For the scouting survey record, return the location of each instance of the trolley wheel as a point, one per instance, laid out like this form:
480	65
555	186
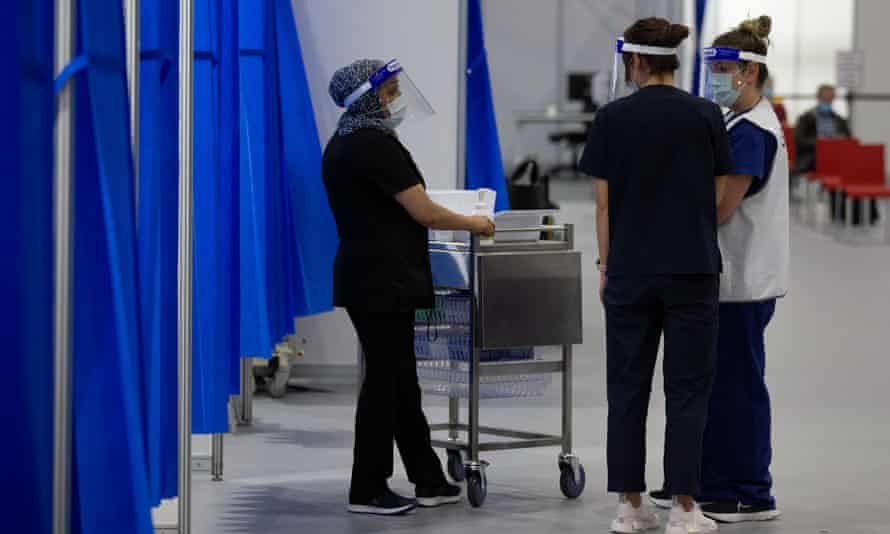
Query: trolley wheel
477	488
276	385
456	466
571	486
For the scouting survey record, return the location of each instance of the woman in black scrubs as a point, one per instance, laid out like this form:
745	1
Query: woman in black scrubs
659	157
381	276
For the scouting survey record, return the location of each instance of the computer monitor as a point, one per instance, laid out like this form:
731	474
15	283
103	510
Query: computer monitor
580	88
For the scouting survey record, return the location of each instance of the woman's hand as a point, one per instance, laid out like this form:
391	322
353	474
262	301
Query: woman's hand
482	225
603	281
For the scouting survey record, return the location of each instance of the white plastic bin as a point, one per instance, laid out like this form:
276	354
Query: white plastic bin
519	219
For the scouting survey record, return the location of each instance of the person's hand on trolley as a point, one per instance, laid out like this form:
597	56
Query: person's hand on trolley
482	225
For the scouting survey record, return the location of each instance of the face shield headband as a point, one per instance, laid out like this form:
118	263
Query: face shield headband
622	47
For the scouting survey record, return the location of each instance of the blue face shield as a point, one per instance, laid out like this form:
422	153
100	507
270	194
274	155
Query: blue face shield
719	67
621	83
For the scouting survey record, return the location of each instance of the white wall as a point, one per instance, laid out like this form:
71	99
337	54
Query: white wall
423	35
525	40
805	39
871	119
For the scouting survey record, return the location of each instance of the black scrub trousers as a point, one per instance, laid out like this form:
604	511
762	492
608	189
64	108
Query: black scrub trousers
660	150
381	276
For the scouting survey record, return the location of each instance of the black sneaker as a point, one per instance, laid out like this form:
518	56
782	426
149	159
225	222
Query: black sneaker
736	512
387	504
431	497
661	499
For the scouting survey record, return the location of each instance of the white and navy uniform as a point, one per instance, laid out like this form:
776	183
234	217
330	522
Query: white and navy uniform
754	245
755	242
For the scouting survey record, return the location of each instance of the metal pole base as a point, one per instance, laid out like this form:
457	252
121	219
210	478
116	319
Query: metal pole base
245	404
216	457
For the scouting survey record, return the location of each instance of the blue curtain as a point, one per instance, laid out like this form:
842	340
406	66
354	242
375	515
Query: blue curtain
484	165
26	263
285	227
700	7
158	237
111	492
229	148
315	233
215	333
256	336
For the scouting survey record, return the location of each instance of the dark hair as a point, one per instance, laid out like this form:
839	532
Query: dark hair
824	87
654	31
751	35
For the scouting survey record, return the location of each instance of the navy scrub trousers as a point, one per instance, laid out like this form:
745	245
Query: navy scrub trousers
738	446
638	310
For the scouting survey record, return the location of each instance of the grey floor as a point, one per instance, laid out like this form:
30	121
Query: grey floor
828	370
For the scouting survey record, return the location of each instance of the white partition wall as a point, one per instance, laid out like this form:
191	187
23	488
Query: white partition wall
425	36
805	39
422	34
533	44
871	117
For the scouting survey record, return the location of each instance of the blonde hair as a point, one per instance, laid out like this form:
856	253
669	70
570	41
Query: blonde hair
751	35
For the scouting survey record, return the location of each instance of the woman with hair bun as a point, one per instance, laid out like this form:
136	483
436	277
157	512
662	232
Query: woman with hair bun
753	217
658	157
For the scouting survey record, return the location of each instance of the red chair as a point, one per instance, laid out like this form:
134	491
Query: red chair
832	157
866	179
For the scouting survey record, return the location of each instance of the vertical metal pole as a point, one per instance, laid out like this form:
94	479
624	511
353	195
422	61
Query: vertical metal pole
453	410
216	456
560	62
186	225
835	220
132	19
461	179
63	218
567	399
246	398
473	415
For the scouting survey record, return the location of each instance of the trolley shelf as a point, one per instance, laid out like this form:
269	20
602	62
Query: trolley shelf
496	302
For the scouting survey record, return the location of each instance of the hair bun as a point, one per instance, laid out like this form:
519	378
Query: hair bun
677	33
760	27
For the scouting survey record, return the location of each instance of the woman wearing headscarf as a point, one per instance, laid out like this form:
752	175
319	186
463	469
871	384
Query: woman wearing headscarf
382	275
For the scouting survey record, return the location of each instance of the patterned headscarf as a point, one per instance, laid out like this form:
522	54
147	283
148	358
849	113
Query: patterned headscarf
366	112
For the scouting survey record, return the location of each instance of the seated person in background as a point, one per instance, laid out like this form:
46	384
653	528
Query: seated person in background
821	122
776	101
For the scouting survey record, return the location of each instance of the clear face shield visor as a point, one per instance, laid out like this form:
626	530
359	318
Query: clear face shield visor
401	100
721	70
621	85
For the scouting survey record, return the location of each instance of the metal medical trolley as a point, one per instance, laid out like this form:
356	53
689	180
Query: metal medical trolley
496	301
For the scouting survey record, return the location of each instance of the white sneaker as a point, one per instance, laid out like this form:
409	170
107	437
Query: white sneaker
694	522
630	519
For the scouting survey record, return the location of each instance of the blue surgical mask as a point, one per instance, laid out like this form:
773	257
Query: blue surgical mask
824	108
722	91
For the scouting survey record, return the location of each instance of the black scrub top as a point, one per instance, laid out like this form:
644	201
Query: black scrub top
660	149
383	261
